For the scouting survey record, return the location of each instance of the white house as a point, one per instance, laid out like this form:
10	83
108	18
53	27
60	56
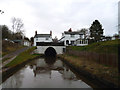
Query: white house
26	43
81	42
69	38
42	38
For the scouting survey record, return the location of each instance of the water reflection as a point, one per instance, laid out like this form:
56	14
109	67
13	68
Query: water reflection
50	60
45	73
46	65
15	81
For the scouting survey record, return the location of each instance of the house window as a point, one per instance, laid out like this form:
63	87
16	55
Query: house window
80	41
46	38
72	35
81	36
36	39
72	42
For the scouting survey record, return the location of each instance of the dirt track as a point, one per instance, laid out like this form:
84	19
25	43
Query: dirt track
12	55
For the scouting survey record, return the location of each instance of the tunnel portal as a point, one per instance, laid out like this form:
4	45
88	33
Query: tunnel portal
51	52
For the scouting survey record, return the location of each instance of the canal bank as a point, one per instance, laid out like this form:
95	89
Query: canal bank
98	59
92	72
18	62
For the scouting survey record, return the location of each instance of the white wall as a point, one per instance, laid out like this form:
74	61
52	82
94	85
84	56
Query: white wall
83	42
27	43
42	39
69	38
41	49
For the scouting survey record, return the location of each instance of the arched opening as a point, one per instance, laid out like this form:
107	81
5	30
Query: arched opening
50	52
67	42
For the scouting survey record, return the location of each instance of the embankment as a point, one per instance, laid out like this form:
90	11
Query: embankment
18	63
98	62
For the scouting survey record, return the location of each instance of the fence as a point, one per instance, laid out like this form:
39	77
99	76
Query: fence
101	58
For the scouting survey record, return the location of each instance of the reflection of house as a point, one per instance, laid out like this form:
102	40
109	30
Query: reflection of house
43	67
72	38
42	38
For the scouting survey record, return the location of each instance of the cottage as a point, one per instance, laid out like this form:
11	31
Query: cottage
26	43
81	42
42	38
72	38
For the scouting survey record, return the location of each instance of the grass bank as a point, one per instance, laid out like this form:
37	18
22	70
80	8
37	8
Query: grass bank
101	52
99	47
102	72
99	59
22	57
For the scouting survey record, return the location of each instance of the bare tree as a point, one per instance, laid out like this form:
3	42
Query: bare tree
13	23
85	32
17	25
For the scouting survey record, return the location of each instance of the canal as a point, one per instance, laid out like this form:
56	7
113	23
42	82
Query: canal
45	73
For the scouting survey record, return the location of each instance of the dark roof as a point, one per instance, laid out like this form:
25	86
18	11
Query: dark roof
50	43
67	32
42	35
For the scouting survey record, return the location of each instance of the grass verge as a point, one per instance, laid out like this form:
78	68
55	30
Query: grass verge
99	47
22	57
3	60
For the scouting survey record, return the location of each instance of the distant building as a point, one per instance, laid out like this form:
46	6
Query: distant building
26	43
73	38
18	41
42	38
107	38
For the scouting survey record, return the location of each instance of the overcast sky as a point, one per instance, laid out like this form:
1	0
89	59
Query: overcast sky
60	15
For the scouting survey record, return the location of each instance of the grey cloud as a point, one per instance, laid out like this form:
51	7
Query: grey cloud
58	15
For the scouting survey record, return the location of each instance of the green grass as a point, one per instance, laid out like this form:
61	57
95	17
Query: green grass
3	60
22	57
100	47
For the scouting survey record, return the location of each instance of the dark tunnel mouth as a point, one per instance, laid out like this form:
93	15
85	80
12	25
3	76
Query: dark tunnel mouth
50	52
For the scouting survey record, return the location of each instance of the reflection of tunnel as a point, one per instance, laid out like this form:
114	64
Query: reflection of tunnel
50	60
50	52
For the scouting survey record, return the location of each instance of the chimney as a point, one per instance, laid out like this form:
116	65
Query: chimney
35	32
51	33
70	30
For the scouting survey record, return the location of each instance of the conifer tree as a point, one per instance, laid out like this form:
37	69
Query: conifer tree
96	31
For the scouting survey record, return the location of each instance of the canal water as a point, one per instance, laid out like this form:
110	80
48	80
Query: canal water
45	73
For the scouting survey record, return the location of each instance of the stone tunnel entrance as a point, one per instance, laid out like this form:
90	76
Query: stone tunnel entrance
51	52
